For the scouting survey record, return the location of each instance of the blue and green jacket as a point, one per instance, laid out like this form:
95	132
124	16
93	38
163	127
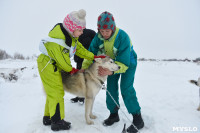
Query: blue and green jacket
119	47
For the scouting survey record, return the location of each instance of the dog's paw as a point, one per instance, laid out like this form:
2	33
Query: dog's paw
89	122
93	116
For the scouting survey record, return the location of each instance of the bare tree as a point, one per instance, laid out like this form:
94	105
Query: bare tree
19	56
4	55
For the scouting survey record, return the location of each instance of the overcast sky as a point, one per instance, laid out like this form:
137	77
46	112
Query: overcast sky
157	28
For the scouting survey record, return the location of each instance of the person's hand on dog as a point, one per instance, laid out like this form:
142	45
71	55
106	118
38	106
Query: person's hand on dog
73	71
104	71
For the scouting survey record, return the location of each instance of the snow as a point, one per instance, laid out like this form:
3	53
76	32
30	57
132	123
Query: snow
166	97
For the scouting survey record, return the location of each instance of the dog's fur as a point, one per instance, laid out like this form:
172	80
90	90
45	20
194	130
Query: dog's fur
197	83
88	83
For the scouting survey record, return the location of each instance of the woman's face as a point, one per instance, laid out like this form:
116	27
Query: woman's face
78	32
106	33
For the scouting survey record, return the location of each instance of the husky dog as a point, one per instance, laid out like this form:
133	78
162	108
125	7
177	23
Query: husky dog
88	83
197	83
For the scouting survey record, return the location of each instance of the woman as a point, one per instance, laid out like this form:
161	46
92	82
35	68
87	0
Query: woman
115	43
57	49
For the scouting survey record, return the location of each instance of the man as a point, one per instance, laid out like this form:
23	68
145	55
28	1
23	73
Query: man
115	43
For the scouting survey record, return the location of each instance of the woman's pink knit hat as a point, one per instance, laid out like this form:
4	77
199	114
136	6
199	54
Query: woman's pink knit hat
75	20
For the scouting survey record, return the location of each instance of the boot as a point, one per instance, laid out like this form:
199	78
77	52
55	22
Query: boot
114	117
56	122
138	123
60	125
81	100
74	100
46	120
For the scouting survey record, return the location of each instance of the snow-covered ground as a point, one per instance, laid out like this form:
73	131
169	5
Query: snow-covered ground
167	99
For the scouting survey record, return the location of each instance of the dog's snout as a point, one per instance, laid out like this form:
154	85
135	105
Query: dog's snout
119	67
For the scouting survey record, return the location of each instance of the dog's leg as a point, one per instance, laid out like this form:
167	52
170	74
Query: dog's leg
91	115
88	104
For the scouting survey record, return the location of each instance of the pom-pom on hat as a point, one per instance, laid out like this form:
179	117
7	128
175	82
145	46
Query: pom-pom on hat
75	20
106	21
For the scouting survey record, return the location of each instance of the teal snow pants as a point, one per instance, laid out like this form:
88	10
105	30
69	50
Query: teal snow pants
127	91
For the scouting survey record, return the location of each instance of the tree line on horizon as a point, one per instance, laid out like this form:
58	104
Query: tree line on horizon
4	55
183	60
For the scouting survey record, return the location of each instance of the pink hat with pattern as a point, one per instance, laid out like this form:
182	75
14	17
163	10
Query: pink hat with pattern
75	20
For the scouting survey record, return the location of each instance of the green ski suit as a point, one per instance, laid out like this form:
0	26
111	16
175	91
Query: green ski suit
50	66
119	48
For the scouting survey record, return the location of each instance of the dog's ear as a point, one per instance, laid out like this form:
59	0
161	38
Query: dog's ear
99	60
193	82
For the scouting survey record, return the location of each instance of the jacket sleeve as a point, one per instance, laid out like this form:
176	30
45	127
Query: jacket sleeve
123	54
94	49
83	52
60	55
